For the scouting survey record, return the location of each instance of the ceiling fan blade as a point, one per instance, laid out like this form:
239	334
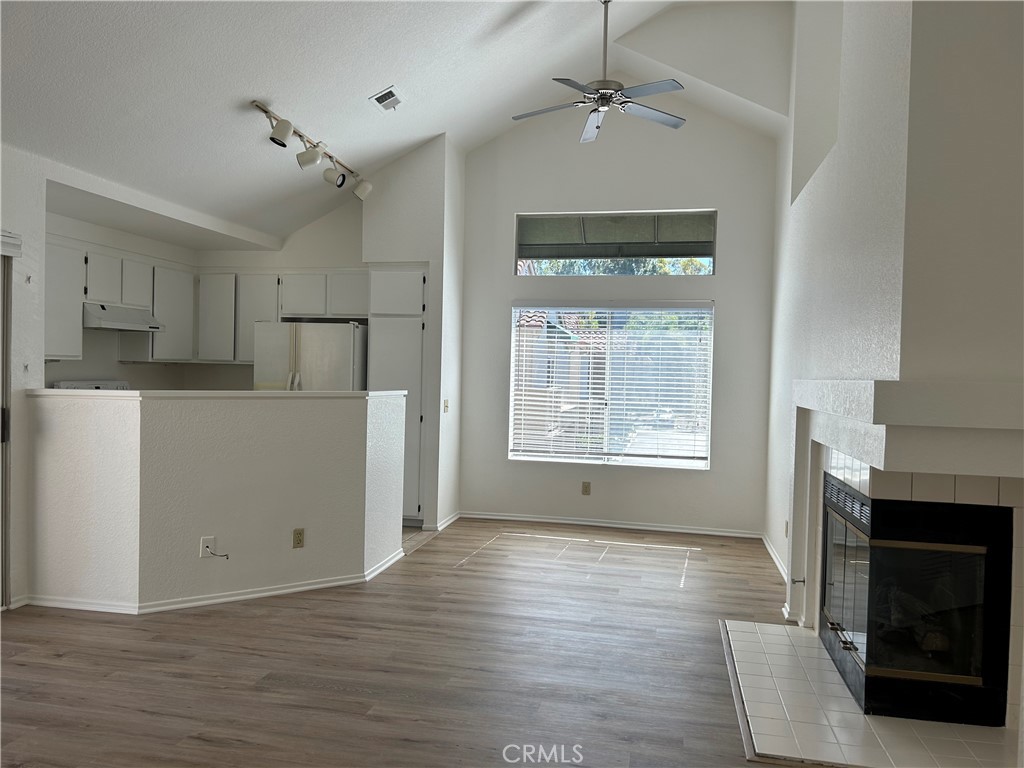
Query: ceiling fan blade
547	109
573	84
649	89
649	113
593	125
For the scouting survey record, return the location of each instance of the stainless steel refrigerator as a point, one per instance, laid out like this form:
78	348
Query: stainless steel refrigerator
311	357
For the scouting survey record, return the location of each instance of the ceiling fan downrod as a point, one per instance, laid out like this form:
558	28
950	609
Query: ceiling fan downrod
604	55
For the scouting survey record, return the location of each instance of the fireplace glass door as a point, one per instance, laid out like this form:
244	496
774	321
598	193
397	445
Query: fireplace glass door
928	610
847	566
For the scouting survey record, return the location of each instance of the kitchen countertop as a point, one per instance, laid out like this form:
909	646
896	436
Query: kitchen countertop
212	394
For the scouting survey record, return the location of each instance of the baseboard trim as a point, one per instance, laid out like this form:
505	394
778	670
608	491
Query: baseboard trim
776	559
611	524
448	521
387	562
76	604
249	594
16	602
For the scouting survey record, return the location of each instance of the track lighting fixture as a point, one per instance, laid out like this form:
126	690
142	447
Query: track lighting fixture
363	189
282	132
334	176
311	155
313	152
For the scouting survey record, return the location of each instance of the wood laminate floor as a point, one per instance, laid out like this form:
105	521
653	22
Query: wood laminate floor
488	635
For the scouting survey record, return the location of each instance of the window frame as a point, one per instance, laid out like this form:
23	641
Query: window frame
618	459
577	247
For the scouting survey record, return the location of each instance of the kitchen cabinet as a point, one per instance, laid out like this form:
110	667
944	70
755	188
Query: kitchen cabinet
216	334
396	293
256	301
65	279
174	306
103	278
348	294
136	284
303	294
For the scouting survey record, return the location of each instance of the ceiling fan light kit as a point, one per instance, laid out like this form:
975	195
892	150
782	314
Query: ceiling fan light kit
312	152
604	94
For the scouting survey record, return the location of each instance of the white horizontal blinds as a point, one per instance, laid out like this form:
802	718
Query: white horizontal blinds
611	384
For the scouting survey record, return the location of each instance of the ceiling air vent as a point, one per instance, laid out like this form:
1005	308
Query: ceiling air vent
387	99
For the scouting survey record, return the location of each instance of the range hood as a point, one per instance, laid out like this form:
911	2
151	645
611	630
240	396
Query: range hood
118	318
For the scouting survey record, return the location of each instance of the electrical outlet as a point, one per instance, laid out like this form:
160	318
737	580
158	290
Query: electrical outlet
207	541
298	538
586	488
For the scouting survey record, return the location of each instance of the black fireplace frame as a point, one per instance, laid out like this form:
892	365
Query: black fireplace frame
957	525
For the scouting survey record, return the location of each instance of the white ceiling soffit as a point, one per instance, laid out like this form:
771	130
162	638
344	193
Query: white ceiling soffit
96	209
733	57
155	96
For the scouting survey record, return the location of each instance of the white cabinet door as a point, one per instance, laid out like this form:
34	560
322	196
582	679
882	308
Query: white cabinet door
103	279
257	301
217	317
303	295
136	284
173	305
396	293
348	294
394	361
65	279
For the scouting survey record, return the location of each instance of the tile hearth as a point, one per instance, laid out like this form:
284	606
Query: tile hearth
798	708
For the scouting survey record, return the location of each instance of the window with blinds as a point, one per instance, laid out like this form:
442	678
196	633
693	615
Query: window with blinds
618	385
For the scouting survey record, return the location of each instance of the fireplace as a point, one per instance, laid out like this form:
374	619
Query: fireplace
915	605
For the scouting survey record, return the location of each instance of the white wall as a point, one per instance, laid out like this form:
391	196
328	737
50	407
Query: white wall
451	336
334	241
635	165
407	220
963	267
839	252
84	549
740	47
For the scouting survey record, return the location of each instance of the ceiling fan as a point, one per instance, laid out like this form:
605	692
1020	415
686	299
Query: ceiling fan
604	94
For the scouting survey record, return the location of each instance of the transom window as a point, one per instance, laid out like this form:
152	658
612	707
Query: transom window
675	243
612	384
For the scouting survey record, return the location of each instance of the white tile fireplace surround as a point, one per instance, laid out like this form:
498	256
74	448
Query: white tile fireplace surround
955	442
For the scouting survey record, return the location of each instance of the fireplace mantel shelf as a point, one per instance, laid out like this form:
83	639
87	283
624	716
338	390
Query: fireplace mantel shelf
945	427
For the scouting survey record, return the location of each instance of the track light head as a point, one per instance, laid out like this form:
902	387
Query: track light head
363	189
311	155
282	132
334	176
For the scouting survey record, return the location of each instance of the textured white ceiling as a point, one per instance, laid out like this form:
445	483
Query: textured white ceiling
156	95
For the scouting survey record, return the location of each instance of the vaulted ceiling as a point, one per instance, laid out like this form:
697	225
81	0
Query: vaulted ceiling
156	96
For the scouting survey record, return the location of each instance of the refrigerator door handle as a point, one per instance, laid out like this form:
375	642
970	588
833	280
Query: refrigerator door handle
297	381
291	376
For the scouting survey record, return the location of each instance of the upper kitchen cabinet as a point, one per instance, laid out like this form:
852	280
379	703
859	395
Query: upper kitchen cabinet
303	294
65	280
103	278
217	317
257	301
396	293
113	280
136	284
174	306
348	294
